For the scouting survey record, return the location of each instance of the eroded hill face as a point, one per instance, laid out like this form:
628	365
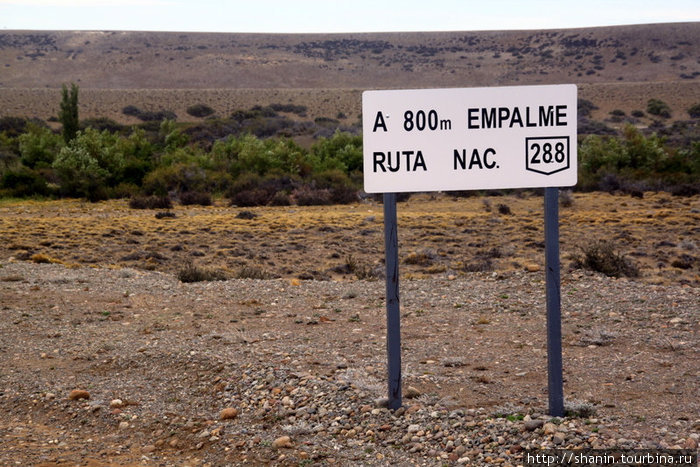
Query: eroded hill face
163	60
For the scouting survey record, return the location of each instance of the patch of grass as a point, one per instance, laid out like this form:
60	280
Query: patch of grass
602	256
41	258
193	273
361	270
253	272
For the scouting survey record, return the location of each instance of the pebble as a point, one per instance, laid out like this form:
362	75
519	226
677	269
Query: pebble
411	393
116	404
77	394
549	428
282	442
228	413
531	425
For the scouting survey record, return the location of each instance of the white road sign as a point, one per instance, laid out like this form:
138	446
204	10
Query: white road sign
469	138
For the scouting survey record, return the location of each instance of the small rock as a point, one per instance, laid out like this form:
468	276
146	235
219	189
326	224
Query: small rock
381	402
532	425
413	428
411	393
282	442
77	394
691	444
228	413
413	409
123	425
532	267
148	448
116	404
549	428
558	437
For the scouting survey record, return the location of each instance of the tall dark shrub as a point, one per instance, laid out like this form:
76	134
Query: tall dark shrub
68	115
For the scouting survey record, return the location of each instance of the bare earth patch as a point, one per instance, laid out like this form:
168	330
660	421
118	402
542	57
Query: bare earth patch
302	362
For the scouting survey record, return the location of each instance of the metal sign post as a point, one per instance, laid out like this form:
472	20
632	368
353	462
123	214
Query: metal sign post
555	381
393	316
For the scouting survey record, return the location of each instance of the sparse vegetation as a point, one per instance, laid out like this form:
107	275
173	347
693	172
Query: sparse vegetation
603	256
193	273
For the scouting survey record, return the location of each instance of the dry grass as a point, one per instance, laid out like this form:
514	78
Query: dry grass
438	234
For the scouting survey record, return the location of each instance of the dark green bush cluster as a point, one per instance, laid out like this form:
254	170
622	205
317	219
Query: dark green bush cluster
149	115
635	162
659	108
157	160
200	110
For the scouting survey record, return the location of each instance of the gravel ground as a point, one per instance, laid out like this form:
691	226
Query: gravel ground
293	372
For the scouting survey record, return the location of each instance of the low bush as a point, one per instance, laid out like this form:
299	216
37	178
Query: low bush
150	202
308	196
192	273
195	197
22	181
200	110
659	108
694	111
602	256
253	272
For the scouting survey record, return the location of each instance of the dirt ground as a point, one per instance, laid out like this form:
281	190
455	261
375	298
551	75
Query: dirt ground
90	301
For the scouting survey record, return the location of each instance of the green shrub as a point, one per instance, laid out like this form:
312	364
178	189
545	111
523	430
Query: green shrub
12	126
585	107
659	108
200	110
338	184
341	151
694	111
22	182
102	123
38	146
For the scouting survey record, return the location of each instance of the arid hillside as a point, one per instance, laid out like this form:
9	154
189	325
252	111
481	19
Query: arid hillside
117	60
226	70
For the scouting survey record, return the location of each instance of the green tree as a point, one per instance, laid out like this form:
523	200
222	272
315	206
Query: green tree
90	164
68	115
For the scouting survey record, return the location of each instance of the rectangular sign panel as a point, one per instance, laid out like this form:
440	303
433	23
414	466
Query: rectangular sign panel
469	138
